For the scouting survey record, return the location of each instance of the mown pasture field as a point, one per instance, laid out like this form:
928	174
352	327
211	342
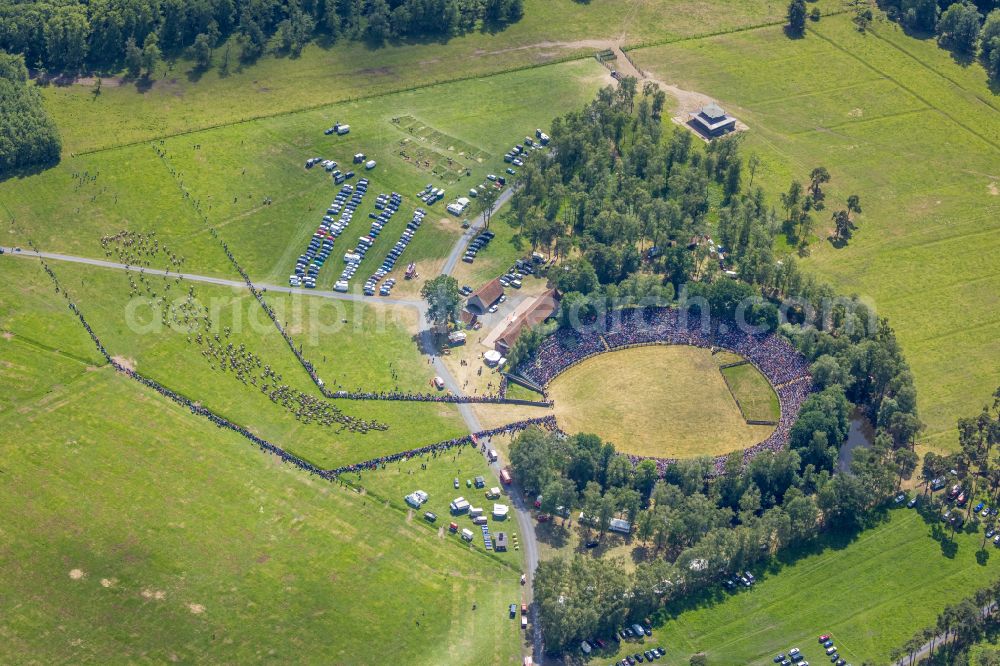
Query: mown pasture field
248	181
870	593
755	397
918	139
130	331
181	99
136	531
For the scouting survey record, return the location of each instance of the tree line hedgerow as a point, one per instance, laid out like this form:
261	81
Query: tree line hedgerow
69	36
28	136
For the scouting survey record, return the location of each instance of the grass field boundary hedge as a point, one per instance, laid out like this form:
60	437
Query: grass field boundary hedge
714	33
572	57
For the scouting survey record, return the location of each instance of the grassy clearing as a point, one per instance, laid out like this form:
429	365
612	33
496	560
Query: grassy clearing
870	594
356	345
917	138
212	536
128	329
754	395
552	30
518	392
397	480
665	401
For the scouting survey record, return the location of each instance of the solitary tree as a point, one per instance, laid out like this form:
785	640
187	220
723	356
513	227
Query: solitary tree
842	225
202	50
797	18
150	53
133	57
817	177
486	203
442	298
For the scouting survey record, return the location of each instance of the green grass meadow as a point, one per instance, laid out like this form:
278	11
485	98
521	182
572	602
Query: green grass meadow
181	99
870	594
162	353
135	531
753	393
918	138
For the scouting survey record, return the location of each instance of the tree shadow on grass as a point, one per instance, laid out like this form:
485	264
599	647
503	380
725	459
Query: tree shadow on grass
552	535
28	170
144	84
195	73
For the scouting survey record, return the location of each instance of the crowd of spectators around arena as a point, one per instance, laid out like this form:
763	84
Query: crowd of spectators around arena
775	357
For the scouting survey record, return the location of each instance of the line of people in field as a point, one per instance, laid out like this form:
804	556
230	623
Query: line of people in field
440	447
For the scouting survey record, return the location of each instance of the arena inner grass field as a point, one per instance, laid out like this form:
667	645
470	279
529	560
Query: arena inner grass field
668	401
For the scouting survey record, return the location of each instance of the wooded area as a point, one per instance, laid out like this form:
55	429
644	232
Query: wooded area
28	137
70	36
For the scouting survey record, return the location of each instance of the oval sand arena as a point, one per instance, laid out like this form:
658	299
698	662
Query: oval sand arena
665	400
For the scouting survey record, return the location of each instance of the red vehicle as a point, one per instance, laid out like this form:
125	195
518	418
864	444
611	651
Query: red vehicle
505	477
538	502
543	517
824	638
453	527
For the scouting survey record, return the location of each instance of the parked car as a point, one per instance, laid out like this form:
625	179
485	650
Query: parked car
900	498
912	503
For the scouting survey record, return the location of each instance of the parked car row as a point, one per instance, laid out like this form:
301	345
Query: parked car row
388	204
640	657
430	194
737	580
337	217
478	243
796	657
393	256
516	155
